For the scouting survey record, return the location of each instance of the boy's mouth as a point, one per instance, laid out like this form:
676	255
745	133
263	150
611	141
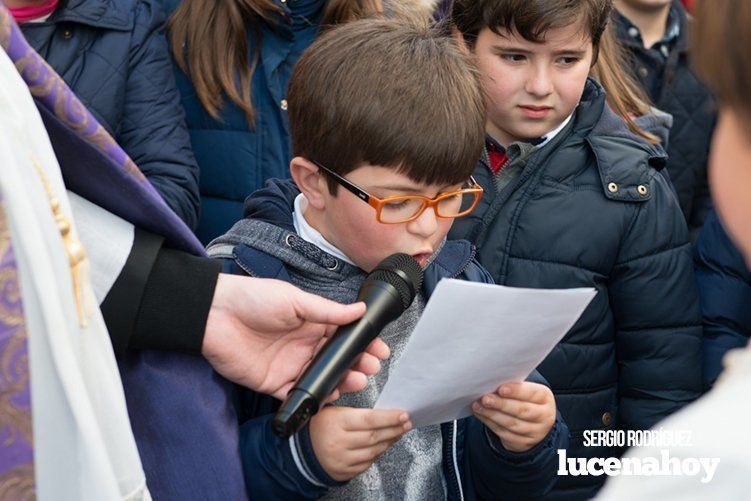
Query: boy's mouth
422	257
536	112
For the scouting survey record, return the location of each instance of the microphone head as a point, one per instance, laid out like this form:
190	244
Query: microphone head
403	272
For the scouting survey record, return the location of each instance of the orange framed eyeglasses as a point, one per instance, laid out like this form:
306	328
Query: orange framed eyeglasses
405	208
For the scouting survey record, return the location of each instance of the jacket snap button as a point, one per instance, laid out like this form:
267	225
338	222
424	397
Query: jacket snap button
607	418
642	189
66	33
283	104
643	72
612	187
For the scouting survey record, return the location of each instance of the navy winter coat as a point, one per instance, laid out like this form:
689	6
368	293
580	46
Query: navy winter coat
674	88
725	296
236	158
590	210
113	55
475	464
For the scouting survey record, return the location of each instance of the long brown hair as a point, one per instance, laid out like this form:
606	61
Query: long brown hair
209	40
719	50
624	94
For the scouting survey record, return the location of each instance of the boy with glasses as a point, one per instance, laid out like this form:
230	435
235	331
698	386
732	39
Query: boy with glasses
387	123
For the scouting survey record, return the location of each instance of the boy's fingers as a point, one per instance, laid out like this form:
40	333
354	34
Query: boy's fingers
352	382
365	439
525	411
367	364
514	442
370	454
372	419
505	421
508	437
524	391
379	349
487	422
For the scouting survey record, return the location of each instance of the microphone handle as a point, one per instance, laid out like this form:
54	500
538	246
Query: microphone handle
336	357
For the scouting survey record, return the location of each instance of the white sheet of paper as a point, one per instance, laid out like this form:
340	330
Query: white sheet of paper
471	338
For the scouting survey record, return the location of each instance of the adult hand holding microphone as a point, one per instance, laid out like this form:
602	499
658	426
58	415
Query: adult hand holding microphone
387	292
261	333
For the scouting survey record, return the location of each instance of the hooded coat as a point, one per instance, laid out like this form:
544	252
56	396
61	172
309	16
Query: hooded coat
474	463
591	209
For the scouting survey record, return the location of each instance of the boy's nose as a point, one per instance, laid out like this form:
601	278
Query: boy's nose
425	225
539	82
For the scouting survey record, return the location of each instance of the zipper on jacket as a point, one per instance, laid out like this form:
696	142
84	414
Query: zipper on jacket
466	264
456	477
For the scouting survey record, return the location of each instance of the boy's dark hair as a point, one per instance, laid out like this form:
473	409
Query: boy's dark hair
530	18
390	94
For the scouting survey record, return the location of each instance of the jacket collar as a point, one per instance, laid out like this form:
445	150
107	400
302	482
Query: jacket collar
105	14
626	162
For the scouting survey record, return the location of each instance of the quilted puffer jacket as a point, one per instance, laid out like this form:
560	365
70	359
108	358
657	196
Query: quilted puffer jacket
674	88
113	55
724	294
590	209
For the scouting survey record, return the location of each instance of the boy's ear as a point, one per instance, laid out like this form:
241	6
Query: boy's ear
310	181
460	41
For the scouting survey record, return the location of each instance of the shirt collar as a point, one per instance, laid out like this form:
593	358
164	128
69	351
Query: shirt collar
310	234
539	142
672	31
550	135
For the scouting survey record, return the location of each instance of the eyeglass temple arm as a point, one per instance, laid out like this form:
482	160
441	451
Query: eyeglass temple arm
356	190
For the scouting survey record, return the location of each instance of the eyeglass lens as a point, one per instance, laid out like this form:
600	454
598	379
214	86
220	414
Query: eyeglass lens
403	209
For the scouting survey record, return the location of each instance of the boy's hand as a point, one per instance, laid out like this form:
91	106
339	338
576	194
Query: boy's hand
347	441
521	414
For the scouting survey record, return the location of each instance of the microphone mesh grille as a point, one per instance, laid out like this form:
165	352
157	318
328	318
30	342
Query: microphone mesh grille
401	271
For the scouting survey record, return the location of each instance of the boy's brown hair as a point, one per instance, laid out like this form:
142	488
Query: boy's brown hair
386	93
720	45
530	18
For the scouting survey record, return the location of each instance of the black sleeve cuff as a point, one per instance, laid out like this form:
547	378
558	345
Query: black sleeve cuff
175	304
120	307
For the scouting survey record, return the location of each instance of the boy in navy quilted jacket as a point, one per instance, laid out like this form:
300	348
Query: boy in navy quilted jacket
573	198
387	123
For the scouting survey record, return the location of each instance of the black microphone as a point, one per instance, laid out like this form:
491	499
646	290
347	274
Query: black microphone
388	290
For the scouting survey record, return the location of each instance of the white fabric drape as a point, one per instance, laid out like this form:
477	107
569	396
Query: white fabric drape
83	445
108	240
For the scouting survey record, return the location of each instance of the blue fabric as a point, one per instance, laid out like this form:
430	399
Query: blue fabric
90	173
236	158
114	56
634	356
185	425
180	411
725	296
182	417
674	88
486	469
